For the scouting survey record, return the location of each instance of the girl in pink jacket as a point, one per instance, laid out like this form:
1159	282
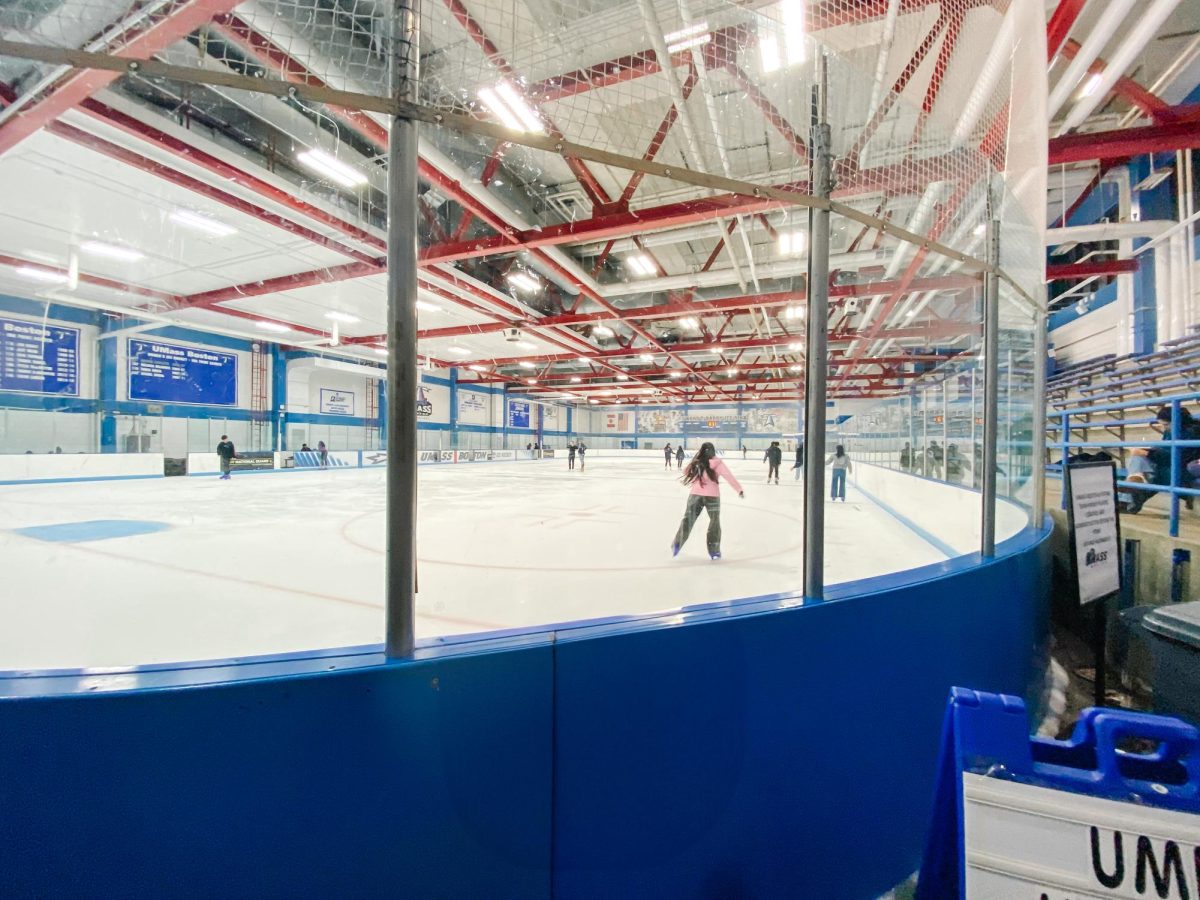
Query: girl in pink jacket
702	474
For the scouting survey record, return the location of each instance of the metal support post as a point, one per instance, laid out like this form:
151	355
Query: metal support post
1037	419
991	388
1176	467
817	348
401	557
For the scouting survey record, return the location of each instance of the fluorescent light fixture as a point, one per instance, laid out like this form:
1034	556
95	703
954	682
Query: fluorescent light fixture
980	230
382	351
793	311
276	327
331	167
795	345
689	322
1089	86
641	264
43	275
523	281
426	306
335	316
525	345
526	364
731	372
768	54
1153	180
796	368
910	313
602	331
622	378
793	30
507	105
792	243
111	251
685	38
576	380
646	357
592	401
461	351
676	374
197	222
1064	248
477	368
584	359
531	381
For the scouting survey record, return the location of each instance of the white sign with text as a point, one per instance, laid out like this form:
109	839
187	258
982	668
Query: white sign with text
1094	534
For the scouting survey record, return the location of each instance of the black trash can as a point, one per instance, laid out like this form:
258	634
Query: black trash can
1173	634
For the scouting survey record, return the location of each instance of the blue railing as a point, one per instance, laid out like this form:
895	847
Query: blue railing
1175	444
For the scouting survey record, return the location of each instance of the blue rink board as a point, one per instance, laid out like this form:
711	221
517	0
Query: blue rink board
759	749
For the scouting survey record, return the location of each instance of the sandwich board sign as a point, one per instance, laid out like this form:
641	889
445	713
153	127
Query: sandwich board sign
1030	818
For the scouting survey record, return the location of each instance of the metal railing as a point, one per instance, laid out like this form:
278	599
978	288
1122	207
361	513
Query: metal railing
1174	443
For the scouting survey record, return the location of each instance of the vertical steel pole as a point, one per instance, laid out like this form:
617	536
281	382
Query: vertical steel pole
401	557
817	346
991	387
945	430
1037	420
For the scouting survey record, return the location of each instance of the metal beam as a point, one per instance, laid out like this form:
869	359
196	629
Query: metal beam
1124	142
1080	271
1060	25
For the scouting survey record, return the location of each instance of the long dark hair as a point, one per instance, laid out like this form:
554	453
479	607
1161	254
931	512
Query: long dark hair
700	467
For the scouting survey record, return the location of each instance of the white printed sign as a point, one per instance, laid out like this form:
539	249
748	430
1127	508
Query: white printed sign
1032	843
472	408
337	403
1094	531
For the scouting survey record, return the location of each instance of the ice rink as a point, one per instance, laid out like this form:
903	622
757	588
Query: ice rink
119	573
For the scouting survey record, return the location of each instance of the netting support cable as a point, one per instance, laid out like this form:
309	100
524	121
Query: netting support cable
817	347
402	339
991	388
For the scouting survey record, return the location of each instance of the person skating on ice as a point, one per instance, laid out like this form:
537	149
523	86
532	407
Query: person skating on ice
226	453
702	475
582	455
841	465
798	467
773	457
679	456
323	452
668	455
571	450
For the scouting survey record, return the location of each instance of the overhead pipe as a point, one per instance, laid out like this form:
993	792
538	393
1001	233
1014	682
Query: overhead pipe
986	81
885	51
1145	28
1106	26
655	32
1106	231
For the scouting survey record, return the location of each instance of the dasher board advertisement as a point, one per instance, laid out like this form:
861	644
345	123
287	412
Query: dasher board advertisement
1094	529
1025	842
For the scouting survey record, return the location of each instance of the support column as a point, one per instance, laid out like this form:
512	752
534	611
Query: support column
817	361
402	338
278	398
106	386
1038	427
991	389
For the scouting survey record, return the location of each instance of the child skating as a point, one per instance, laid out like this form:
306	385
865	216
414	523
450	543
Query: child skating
702	475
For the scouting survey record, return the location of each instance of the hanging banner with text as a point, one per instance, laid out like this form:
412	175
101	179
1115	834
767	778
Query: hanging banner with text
173	373
337	403
518	414
38	359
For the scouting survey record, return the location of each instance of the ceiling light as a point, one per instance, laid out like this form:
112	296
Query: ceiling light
506	104
796	368
1064	248
793	30
685	38
646	357
461	351
523	281
689	322
584	359
331	167
910	313
336	316
622	378
794	311
641	264
731	372
43	275
526	364
676	374
590	400
576	380
111	251
602	331
194	220
980	230
477	368
1089	86
382	351
531	381
277	327
792	243
768	54
426	306
795	345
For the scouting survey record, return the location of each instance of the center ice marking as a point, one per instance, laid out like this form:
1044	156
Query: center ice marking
93	530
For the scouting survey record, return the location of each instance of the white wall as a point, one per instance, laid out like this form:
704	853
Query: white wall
26	467
1091	335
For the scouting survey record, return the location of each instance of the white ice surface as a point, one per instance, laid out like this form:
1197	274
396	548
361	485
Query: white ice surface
268	563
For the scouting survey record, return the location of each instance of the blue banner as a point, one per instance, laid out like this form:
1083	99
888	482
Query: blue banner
518	414
172	373
38	359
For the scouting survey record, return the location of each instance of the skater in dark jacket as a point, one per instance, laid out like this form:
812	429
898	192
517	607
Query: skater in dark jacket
226	453
668	455
679	456
798	466
773	457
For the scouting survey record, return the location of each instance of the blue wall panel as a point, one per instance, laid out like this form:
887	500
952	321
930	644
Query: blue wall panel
756	750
